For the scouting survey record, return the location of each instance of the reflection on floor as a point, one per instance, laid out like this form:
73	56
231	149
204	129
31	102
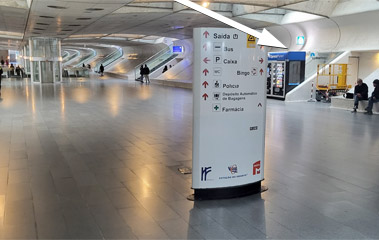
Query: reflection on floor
98	159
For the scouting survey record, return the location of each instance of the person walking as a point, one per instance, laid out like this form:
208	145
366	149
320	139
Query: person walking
374	97
360	93
146	72
101	70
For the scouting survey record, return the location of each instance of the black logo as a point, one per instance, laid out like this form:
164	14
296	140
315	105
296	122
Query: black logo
204	173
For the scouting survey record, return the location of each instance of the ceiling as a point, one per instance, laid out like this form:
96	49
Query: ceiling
128	22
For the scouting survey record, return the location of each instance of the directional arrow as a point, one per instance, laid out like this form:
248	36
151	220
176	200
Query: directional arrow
260	105
205	71
205	47
205	84
206	60
206	33
261	60
265	37
261	71
205	96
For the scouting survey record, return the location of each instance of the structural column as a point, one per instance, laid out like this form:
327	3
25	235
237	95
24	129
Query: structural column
45	60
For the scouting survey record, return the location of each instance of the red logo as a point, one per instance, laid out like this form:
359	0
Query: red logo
257	168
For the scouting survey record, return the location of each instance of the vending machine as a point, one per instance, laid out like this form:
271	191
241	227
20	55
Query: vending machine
285	71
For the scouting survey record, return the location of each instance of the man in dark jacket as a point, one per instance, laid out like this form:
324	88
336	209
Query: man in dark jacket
360	93
1	73
374	97
146	72
141	73
101	70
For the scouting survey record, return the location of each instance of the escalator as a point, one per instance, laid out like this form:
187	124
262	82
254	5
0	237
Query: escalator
156	61
109	59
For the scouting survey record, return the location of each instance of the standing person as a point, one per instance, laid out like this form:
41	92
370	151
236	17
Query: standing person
101	70
374	97
89	66
12	69
360	93
2	62
141	73
18	70
1	75
146	72
83	65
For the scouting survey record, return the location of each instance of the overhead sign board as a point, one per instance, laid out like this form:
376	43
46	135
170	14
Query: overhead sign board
229	109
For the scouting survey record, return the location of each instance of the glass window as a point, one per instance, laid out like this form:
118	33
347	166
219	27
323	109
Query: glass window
294	73
35	71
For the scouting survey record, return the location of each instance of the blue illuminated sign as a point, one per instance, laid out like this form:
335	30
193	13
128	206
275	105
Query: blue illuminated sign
284	56
177	49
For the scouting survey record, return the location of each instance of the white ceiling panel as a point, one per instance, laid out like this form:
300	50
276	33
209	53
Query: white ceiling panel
147	19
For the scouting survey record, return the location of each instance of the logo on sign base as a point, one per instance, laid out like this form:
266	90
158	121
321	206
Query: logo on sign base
257	168
204	173
233	169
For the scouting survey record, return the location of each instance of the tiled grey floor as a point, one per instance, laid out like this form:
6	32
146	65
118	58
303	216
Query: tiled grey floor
97	159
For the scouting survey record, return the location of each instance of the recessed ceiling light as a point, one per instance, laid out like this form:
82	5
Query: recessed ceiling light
43	24
95	9
205	4
46	17
83	18
57	7
74	25
39	29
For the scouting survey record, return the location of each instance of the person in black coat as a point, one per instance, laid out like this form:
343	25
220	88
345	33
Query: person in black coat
1	73
165	69
374	97
141	73
146	72
360	93
101	70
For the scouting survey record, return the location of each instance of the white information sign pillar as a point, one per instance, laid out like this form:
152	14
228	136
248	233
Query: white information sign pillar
229	89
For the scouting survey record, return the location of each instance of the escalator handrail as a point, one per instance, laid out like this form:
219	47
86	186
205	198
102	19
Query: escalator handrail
110	58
